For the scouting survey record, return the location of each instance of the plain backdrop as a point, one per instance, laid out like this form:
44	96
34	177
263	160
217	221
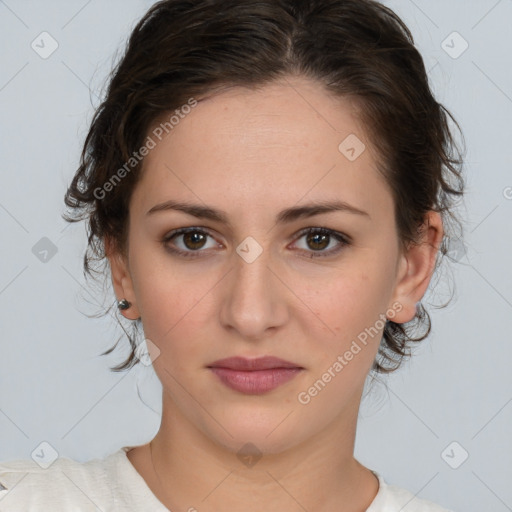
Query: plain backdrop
440	427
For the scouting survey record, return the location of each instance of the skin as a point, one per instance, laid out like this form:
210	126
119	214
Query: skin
253	153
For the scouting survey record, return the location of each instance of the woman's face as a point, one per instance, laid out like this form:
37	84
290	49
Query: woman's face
248	281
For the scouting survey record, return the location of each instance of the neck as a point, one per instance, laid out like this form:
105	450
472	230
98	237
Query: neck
191	472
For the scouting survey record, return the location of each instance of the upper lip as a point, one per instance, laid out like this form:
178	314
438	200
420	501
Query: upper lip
260	363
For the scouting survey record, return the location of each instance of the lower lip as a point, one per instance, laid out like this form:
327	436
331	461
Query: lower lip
255	382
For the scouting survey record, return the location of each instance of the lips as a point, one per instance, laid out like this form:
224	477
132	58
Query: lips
254	376
260	363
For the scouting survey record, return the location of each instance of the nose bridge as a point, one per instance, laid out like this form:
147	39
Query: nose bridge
254	302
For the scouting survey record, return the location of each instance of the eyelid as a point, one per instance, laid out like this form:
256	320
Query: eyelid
320	229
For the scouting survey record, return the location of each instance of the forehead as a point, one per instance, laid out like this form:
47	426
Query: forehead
281	143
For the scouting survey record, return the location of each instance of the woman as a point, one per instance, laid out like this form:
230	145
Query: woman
268	184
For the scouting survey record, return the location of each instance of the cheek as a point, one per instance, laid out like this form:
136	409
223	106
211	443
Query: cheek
164	291
348	302
171	307
348	319
346	331
175	306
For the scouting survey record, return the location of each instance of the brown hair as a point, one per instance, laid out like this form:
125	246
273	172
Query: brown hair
356	48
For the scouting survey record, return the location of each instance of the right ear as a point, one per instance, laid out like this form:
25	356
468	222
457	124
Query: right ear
121	279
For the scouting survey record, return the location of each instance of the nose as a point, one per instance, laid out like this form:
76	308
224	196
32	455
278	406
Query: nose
254	303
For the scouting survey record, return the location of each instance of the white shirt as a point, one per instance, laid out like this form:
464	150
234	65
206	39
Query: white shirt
113	484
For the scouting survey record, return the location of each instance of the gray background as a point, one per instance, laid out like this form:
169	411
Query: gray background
55	388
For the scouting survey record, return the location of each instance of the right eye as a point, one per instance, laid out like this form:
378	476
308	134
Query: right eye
190	241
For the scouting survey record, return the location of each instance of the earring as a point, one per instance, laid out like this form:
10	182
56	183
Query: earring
123	304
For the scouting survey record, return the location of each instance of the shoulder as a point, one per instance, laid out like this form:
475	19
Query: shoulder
65	484
391	498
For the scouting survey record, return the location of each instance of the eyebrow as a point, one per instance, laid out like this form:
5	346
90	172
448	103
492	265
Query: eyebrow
286	215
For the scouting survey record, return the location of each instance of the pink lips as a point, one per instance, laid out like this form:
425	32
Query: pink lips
254	376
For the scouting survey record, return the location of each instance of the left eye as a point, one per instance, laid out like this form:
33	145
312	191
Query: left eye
318	239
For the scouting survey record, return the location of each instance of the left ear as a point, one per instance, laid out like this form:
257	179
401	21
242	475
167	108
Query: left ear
416	267
121	279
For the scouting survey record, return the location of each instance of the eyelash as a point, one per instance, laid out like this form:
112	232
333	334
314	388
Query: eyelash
342	239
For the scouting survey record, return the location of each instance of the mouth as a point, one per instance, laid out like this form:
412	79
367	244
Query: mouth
254	376
259	363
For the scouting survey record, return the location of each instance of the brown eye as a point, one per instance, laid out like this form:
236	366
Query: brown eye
189	242
194	240
317	241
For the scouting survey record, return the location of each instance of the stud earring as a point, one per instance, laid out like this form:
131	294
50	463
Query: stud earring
123	304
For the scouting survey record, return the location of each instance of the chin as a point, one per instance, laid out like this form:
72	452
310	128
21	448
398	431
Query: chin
270	435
